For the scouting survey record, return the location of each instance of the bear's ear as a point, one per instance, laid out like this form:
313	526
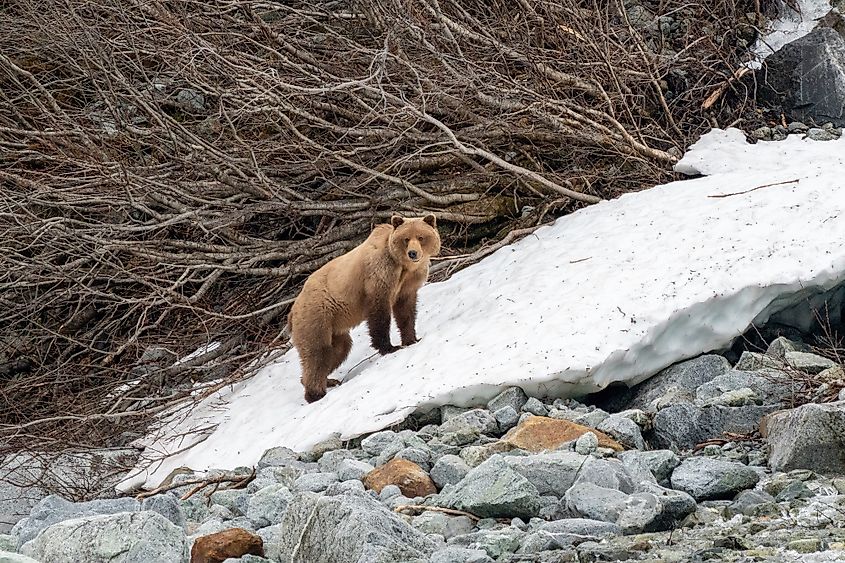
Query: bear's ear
396	220
431	220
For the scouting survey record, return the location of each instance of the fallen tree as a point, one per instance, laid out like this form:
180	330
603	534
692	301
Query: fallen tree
171	171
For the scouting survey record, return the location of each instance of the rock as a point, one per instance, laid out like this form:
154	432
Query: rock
480	420
54	509
376	443
623	429
449	470
677	505
277	457
442	524
711	479
597	503
817	134
807	545
539	433
460	555
535	407
494	490
794	490
136	537
512	397
268	505
314	482
411	479
661	463
234	542
587	443
551	473
235	500
570	531
735	398
167	505
248	559
350	486
476	455
805	78
11	557
794	127
771	386
682	426
643	512
755	361
781	345
686	375
811	436
352	469
333	442
358	529
190	99
748	502
507	417
420	456
608	473
330	461
809	363
591	419
26	478
497	542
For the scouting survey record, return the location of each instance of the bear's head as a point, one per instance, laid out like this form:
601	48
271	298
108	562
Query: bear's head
414	241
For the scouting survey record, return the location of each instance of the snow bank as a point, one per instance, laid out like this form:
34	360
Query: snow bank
789	26
614	292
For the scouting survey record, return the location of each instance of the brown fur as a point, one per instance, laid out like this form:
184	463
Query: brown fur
371	281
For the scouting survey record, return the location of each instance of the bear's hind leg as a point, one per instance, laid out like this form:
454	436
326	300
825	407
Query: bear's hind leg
341	345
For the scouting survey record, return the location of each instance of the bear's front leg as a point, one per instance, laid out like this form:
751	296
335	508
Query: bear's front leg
379	323
405	311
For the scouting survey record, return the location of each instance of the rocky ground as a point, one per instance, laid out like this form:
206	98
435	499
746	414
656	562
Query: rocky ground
678	475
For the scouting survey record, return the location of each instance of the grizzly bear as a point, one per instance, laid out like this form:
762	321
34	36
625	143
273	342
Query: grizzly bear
379	276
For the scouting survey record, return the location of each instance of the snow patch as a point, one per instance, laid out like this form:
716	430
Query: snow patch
788	27
614	292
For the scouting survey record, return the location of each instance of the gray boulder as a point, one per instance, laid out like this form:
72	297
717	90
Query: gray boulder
597	503
809	363
513	397
347	528
535	406
11	557
551	473
449	470
454	554
806	78
126	537
624	429
705	478
811	436
661	463
686	375
608	473
479	420
442	524
352	469
677	505
587	443
560	534
375	444
507	417
781	345
755	361
314	482
268	506
277	457
683	425
168	506
771	386
494	489
54	509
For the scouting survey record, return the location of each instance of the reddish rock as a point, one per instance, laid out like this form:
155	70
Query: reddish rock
234	542
411	479
540	433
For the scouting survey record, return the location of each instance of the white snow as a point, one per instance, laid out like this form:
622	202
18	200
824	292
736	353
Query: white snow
789	26
613	292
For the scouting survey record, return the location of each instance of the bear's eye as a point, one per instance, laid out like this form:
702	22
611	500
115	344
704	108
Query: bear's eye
421	239
407	240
